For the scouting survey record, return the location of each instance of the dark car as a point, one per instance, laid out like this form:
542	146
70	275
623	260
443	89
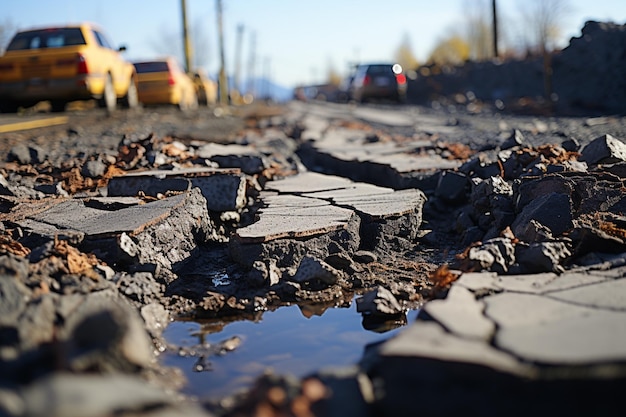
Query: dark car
378	82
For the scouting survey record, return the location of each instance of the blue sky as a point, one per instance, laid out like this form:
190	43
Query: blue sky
296	41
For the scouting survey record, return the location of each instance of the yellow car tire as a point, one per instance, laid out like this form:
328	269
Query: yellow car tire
108	100
131	99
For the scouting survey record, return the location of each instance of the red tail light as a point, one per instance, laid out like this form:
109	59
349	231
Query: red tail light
366	80
401	78
82	65
170	79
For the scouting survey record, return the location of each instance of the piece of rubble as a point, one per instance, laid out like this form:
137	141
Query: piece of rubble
245	158
347	152
497	255
532	232
323	215
542	257
604	150
106	333
553	210
311	269
25	155
515	139
461	313
492	203
224	189
452	187
383	212
599	232
571	145
94	169
160	235
293	216
92	395
379	302
264	273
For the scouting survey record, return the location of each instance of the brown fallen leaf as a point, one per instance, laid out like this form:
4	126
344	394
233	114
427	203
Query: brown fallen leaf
9	245
442	277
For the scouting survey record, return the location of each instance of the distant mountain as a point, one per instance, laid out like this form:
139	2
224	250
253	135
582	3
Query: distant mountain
264	89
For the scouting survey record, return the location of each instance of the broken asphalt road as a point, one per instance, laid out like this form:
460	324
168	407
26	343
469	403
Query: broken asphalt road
508	232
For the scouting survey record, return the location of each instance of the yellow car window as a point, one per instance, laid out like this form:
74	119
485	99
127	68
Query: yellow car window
47	38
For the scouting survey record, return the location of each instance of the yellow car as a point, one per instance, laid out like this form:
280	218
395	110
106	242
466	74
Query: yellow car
63	64
162	81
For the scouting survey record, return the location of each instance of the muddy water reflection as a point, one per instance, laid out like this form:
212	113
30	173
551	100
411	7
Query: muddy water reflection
290	340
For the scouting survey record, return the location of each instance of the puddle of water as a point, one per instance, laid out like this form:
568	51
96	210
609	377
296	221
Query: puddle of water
220	279
284	340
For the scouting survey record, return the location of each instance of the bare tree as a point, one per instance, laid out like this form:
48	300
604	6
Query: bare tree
543	19
7	30
332	76
404	54
479	33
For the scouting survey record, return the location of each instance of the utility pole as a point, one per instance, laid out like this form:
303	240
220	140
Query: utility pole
251	87
495	28
267	93
223	80
186	41
238	59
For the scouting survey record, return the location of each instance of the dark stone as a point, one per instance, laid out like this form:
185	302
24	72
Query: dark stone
452	187
516	139
551	210
571	145
542	257
604	150
380	302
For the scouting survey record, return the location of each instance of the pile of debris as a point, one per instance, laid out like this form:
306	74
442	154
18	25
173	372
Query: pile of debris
586	78
523	210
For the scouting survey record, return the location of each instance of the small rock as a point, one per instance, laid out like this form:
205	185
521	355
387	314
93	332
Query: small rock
264	273
452	187
26	154
542	257
365	256
495	255
515	139
604	150
553	210
380	302
571	145
312	268
94	169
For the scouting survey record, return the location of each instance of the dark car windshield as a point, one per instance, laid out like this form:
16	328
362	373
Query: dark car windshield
379	69
142	67
46	38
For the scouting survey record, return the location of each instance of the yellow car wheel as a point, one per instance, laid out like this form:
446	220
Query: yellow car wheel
57	106
109	98
131	99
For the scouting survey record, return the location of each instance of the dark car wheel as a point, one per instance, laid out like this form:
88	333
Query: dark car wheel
9	106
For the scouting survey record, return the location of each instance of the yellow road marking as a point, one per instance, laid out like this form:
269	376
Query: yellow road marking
33	124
